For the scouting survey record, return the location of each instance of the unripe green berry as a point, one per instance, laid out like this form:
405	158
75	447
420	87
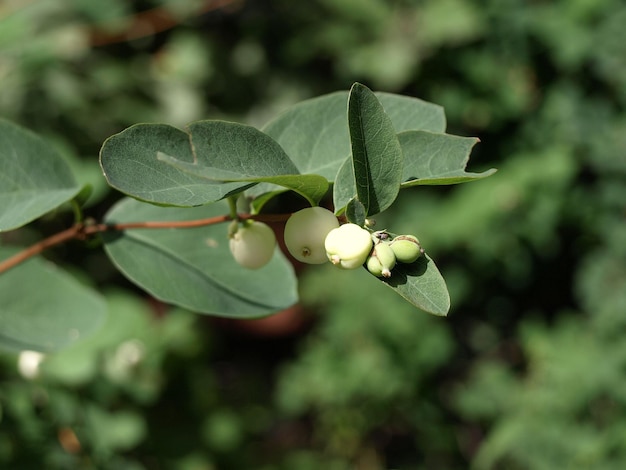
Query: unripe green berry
348	246
407	248
305	233
382	260
252	244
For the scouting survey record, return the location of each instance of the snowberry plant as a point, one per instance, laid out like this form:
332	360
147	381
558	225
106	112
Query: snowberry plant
195	229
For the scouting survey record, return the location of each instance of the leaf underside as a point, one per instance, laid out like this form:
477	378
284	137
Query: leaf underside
193	267
421	284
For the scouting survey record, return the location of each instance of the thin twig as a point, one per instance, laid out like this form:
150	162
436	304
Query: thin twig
80	231
33	250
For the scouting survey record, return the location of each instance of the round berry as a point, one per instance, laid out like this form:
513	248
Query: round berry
407	248
252	244
305	232
348	246
381	260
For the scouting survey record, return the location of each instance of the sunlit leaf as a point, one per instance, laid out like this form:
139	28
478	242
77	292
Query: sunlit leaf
436	159
376	153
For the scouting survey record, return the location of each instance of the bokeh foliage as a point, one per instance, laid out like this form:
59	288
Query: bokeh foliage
528	369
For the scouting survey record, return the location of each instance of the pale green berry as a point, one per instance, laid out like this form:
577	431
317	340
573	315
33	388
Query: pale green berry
407	248
381	260
252	244
348	246
305	233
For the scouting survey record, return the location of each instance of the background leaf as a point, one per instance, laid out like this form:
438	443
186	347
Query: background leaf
436	158
422	285
194	268
376	153
34	178
43	308
130	164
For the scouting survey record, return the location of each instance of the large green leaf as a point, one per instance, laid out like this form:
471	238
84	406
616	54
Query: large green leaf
193	267
230	152
314	133
42	308
130	163
236	151
215	159
431	159
376	153
422	285
34	178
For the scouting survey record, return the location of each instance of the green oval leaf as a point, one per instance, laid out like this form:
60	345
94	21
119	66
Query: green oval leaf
231	152
34	178
193	267
131	165
42	308
376	153
431	159
421	284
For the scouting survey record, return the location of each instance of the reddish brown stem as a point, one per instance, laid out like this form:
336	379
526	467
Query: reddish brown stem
80	231
35	249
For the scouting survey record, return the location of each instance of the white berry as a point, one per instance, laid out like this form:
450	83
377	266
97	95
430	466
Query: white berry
305	232
348	246
252	244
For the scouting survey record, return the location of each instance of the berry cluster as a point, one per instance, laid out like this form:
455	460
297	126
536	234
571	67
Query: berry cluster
389	250
314	236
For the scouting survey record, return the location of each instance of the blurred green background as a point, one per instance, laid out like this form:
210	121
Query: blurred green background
529	369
